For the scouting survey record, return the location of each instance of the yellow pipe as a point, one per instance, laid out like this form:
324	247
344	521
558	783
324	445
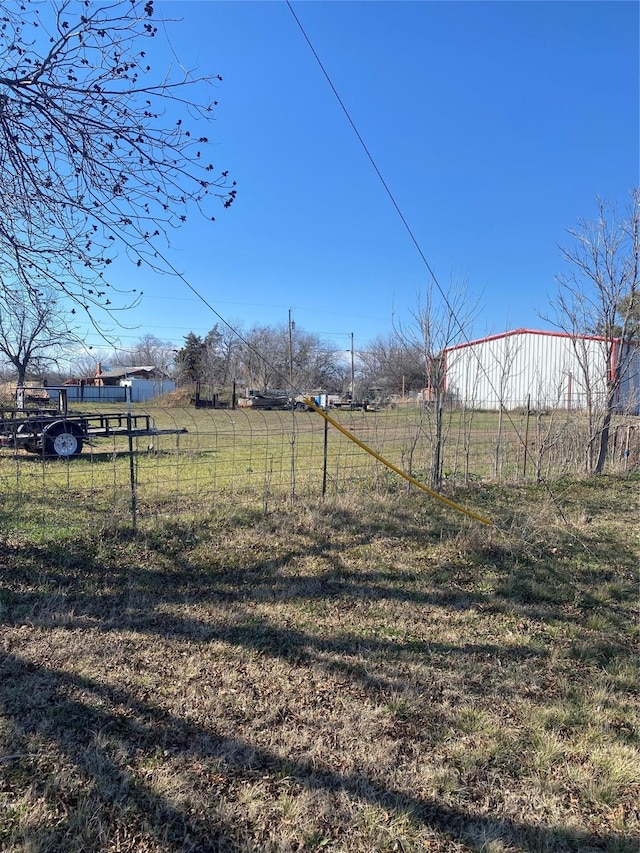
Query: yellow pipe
312	405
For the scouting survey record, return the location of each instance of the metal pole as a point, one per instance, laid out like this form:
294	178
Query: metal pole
132	467
325	459
526	439
291	328
352	372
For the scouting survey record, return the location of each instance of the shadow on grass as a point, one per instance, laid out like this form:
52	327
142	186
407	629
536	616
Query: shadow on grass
169	570
488	577
41	703
102	731
95	454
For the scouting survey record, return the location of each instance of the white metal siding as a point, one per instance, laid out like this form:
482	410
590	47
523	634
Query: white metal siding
630	385
544	370
142	390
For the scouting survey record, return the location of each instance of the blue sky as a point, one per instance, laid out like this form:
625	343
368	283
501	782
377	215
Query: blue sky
494	124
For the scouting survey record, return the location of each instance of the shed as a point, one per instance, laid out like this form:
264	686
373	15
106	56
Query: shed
119	374
145	382
543	369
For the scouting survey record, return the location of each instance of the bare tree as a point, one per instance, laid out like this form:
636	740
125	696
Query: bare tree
95	153
440	320
393	364
505	356
149	351
33	330
270	356
600	295
84	364
223	346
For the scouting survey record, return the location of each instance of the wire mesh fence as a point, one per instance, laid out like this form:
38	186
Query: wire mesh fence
258	459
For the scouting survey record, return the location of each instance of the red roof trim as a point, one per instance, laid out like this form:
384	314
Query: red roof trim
529	332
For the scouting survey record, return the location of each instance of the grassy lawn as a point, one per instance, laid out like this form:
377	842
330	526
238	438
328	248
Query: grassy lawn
371	674
261	458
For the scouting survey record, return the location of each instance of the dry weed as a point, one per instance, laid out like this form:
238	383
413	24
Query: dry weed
357	677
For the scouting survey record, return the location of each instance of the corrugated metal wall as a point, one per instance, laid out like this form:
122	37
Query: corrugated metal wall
142	390
546	370
630	384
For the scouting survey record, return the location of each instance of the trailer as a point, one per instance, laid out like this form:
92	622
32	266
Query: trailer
272	400
351	405
55	432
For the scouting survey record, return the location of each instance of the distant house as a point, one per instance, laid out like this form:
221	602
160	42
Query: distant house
145	382
542	369
121	374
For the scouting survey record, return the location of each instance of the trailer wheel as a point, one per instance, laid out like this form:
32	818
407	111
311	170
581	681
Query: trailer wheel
26	445
63	440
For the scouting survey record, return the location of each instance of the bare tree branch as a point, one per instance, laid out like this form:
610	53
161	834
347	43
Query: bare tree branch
33	330
96	154
599	295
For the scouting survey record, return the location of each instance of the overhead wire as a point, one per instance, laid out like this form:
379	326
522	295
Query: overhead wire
437	496
450	308
312	405
369	155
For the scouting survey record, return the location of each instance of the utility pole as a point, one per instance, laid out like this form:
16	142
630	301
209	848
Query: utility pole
292	326
352	370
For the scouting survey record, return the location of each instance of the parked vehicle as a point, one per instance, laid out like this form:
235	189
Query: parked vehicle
336	401
352	405
56	432
272	400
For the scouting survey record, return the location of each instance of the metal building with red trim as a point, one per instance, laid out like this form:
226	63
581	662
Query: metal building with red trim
542	369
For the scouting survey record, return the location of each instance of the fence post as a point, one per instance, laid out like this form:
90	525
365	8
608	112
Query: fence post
292	495
324	458
526	439
132	468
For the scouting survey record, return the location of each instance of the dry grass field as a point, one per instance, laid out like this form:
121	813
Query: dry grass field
261	459
371	674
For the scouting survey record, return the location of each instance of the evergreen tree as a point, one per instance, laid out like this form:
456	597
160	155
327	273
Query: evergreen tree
190	359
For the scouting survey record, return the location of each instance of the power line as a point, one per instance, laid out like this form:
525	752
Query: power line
370	157
450	308
289	382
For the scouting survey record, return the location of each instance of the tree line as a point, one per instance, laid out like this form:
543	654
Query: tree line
102	157
266	357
